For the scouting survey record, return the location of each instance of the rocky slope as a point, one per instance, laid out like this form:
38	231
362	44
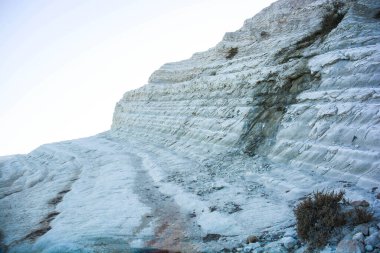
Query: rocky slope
216	147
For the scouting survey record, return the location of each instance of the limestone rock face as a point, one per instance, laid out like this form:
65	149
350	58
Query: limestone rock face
303	88
217	147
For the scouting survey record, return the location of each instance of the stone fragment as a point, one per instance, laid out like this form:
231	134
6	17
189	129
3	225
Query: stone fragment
369	248
373	230
247	249
363	228
327	249
360	203
373	239
252	239
289	242
211	237
359	237
290	232
275	247
349	246
252	246
302	249
258	250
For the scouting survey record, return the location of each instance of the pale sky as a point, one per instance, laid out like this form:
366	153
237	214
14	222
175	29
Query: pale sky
65	63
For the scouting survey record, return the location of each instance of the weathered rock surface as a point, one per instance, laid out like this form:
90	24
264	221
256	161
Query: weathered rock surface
350	246
303	88
289	242
373	239
214	148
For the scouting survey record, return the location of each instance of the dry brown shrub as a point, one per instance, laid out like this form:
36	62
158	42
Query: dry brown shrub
317	217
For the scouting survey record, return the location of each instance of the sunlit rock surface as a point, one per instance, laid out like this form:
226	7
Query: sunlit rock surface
216	147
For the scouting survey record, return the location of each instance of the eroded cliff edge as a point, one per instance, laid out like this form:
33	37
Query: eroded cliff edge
216	147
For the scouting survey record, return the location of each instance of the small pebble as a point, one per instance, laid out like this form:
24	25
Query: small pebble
373	230
358	236
247	249
369	248
349	246
289	242
373	239
327	249
362	228
251	247
252	239
290	232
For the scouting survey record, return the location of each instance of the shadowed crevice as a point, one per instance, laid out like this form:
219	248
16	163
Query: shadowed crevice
265	120
377	15
331	19
3	247
49	217
35	234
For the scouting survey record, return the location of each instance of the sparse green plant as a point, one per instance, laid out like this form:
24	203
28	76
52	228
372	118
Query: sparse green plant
318	216
232	52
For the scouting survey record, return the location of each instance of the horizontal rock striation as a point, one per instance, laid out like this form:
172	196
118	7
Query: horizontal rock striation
302	88
334	125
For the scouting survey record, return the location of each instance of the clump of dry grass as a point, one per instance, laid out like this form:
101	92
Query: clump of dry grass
360	215
317	217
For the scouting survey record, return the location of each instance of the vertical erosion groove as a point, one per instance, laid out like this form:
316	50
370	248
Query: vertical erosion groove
330	20
264	122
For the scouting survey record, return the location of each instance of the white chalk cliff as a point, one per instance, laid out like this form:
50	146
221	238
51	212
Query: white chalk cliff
216	147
